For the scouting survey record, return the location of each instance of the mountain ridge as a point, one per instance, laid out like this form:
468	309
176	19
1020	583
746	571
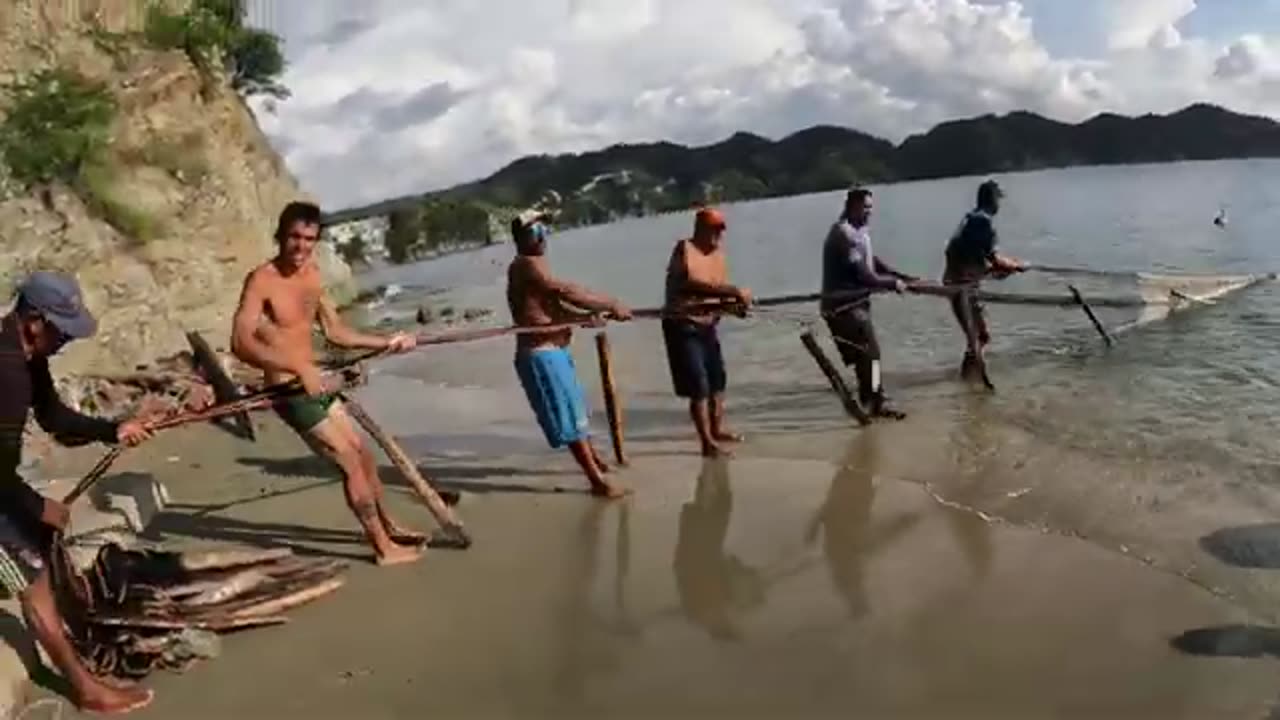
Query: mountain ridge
640	178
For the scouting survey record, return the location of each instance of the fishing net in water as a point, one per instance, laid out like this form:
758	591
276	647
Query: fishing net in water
1141	297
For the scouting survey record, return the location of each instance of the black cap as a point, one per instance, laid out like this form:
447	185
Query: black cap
57	297
988	191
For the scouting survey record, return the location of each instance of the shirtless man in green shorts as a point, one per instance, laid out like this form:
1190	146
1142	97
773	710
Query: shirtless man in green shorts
281	301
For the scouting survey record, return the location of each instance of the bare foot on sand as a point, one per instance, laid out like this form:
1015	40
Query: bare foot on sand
728	436
398	533
111	700
609	491
398	555
714	450
403	536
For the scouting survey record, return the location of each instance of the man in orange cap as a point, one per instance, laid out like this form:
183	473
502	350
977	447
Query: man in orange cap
696	274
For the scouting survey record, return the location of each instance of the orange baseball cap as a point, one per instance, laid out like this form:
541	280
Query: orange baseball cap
709	218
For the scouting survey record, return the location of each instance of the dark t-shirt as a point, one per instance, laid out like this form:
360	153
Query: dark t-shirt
26	385
971	247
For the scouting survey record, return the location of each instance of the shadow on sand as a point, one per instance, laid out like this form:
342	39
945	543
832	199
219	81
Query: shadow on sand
450	482
13	632
1239	641
1246	546
303	540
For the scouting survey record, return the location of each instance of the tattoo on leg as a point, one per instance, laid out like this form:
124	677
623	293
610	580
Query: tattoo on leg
365	509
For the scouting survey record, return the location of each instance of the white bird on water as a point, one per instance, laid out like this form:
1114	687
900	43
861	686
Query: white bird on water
1221	220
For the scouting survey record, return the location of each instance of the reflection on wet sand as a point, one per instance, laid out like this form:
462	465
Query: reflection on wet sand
713	584
849	539
976	450
592	644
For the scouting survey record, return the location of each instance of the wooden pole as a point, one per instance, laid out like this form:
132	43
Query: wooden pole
224	390
454	535
1097	324
611	405
851	405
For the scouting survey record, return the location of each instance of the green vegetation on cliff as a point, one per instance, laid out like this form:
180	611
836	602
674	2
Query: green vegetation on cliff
57	123
213	33
57	130
628	180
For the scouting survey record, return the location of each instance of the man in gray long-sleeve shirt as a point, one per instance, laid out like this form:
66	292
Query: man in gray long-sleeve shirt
850	274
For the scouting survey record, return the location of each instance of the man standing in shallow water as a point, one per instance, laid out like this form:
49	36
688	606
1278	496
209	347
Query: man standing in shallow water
851	272
281	301
543	361
696	274
971	256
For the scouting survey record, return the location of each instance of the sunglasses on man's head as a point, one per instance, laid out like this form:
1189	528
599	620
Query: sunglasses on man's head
540	231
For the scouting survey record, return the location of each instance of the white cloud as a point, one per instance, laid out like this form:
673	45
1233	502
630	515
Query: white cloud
398	96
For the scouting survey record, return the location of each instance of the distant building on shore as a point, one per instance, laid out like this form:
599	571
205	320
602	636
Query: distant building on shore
372	231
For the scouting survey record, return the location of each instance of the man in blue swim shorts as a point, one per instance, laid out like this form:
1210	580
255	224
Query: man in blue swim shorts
543	361
696	275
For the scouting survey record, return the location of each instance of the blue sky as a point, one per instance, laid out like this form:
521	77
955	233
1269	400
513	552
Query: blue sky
399	96
1065	30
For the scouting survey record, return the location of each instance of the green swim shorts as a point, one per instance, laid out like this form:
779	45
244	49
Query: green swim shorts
303	412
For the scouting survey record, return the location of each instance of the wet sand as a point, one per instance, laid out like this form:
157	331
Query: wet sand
803	578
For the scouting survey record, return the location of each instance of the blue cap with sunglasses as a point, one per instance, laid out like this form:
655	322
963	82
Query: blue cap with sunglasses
57	297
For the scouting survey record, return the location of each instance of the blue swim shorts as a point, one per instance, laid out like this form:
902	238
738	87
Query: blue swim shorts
550	381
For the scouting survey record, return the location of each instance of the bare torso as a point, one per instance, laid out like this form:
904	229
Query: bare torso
532	304
289	313
689	261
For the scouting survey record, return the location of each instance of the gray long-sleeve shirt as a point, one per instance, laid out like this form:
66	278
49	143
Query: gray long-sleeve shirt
850	267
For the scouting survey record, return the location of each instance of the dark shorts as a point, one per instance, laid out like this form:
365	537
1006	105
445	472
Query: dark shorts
693	354
21	556
854	334
303	412
979	316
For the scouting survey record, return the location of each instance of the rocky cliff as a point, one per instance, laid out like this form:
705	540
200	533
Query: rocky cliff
187	158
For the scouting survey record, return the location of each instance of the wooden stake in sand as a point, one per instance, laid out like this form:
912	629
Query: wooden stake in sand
851	405
453	535
612	408
1097	324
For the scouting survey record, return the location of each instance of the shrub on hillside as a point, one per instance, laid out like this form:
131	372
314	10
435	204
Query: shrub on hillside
56	123
57	130
212	34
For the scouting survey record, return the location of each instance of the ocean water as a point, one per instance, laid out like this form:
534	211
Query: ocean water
1162	446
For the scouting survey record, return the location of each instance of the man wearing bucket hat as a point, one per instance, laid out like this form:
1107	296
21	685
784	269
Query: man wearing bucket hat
543	362
971	256
48	314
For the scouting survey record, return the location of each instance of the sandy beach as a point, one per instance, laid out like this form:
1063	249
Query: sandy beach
813	575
